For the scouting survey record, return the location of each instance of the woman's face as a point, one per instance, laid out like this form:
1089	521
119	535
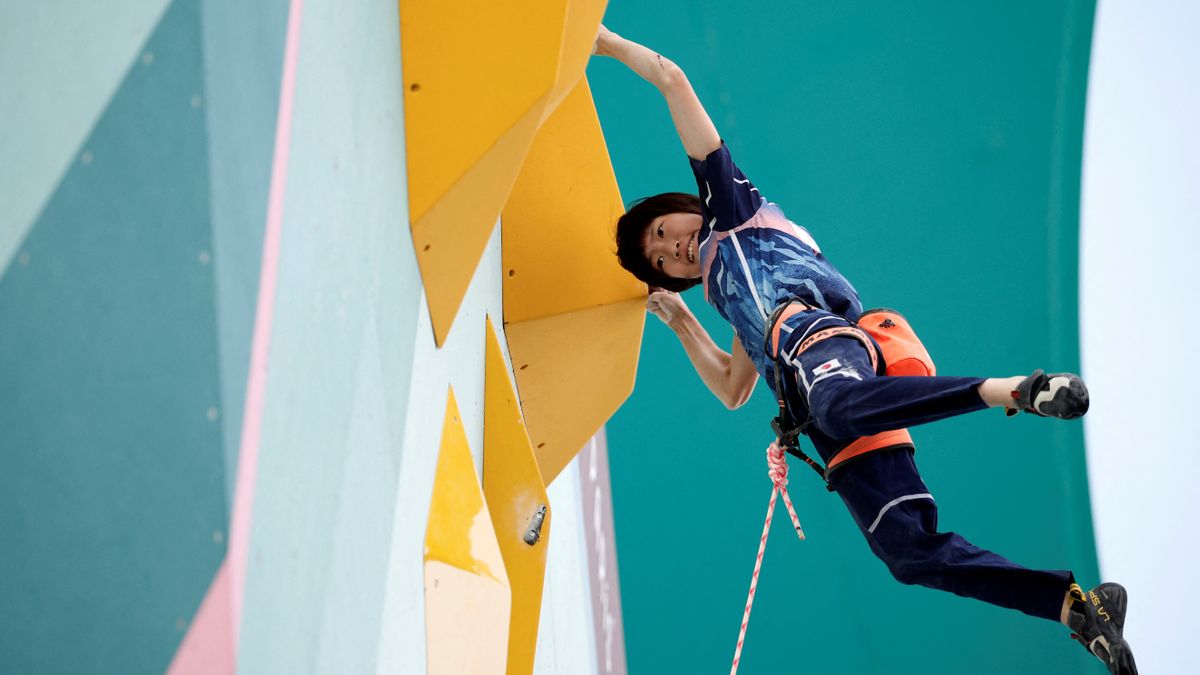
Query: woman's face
671	245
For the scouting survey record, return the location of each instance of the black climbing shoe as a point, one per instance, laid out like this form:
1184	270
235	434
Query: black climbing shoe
1097	619
1061	395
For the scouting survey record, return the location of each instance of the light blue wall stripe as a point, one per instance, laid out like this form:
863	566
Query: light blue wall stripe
60	63
341	356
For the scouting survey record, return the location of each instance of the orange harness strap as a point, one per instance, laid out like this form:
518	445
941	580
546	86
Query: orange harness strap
843	331
885	440
788	311
795	307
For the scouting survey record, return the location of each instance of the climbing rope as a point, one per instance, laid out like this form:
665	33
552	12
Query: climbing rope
777	470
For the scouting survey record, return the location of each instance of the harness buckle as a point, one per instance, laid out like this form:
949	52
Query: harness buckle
787	439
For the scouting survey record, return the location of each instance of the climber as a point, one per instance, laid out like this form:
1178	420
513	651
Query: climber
796	321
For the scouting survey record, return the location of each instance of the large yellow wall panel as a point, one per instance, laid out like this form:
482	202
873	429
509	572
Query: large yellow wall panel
573	317
478	77
518	503
558	250
467	596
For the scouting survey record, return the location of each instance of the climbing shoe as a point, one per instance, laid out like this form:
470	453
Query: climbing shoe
1061	395
1097	619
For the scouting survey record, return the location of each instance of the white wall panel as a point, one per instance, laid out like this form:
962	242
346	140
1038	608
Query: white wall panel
566	643
1140	234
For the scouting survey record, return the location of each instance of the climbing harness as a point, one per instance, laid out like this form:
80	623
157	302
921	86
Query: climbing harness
777	470
894	350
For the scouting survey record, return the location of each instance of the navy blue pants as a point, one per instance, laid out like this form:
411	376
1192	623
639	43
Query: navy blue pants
883	490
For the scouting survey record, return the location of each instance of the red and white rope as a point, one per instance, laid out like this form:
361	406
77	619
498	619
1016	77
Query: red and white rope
778	469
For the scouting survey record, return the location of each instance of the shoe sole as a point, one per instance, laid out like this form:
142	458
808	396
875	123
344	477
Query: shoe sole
1120	659
1120	655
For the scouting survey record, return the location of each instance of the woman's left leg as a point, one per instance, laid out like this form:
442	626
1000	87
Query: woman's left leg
896	513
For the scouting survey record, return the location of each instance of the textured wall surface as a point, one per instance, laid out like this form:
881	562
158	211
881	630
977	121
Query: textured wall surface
113	499
225	403
934	151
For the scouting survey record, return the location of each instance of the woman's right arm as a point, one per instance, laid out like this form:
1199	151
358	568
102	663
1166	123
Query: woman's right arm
692	123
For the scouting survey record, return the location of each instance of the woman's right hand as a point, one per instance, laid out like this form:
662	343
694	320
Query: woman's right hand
667	306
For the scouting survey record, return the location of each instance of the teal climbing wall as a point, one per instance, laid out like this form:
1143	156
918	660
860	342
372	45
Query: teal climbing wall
934	151
159	510
111	499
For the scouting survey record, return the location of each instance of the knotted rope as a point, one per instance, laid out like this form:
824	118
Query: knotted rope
778	470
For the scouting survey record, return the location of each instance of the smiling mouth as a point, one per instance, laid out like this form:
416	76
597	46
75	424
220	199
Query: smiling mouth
691	249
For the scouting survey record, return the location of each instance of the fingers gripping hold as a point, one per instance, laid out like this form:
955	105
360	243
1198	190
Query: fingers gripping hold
666	305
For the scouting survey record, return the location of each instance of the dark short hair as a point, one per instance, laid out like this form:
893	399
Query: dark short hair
631	228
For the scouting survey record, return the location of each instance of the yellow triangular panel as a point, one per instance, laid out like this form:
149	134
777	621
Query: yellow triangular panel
573	370
467	597
515	495
450	238
477	79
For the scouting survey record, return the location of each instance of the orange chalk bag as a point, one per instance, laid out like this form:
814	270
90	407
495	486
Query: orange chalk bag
901	349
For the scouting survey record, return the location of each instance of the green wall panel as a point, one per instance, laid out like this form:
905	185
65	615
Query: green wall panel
933	149
111	495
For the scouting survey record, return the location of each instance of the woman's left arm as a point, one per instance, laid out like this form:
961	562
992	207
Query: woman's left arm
730	376
696	130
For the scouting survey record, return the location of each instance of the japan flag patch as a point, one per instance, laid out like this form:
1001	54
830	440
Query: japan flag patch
828	366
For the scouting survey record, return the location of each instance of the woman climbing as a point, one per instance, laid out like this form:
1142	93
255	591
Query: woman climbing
799	324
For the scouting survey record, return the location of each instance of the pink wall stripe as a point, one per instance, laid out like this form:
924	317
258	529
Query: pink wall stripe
210	645
247	474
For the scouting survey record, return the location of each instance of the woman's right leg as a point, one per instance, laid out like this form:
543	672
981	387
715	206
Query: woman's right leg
836	381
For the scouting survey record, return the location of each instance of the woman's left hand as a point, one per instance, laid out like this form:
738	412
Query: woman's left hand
667	306
604	40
